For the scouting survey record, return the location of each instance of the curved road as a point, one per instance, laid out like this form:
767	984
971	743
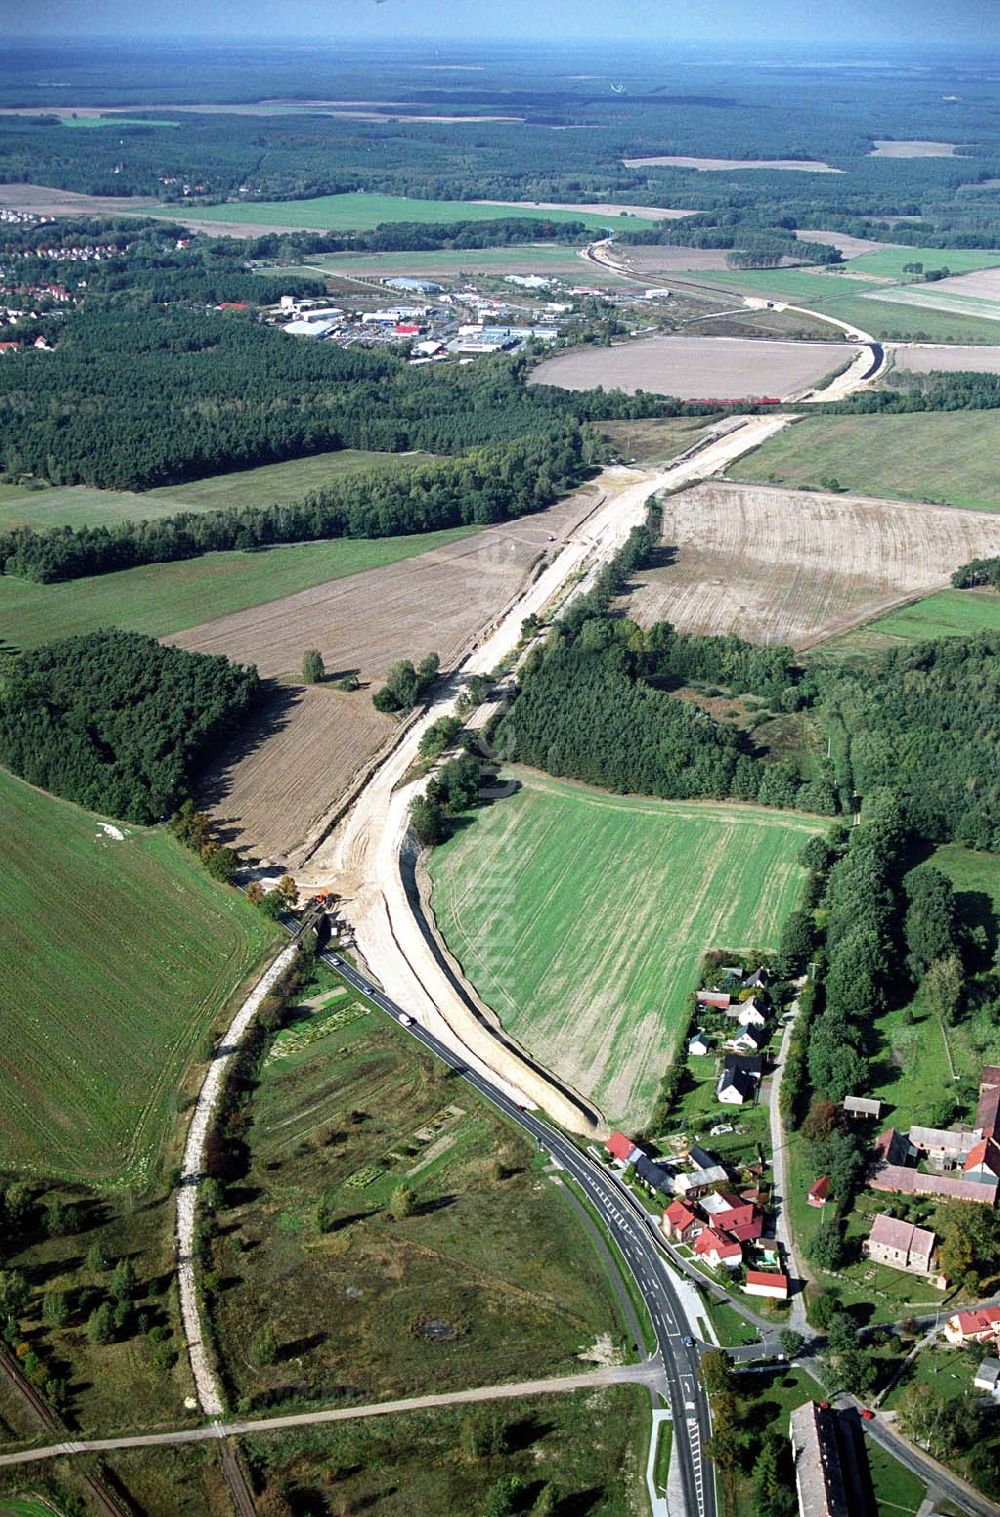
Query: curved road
632	1231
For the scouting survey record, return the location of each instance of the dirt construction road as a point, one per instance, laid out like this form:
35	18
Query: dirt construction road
361	860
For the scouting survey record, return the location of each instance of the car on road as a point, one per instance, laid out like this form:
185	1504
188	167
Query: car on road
867	1414
688	1341
404	1020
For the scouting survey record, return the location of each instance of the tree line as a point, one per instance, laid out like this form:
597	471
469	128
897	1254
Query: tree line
117	722
977	572
484	485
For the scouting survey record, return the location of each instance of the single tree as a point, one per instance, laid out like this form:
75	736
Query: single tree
402	1203
101	1324
264	1346
313	668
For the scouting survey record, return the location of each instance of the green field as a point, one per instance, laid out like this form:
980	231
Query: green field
115	957
950	613
271	484
164	598
359	211
541	258
582	918
884	310
118	121
946	457
888	262
345	1111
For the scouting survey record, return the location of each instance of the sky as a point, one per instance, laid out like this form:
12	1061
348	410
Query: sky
945	23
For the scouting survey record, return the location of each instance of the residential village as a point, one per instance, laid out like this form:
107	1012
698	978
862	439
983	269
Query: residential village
718	1209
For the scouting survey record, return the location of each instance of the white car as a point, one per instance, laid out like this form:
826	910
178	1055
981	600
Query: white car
404	1020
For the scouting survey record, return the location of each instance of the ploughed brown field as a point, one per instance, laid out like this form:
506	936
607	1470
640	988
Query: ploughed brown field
797	567
850	247
948	358
698	368
662	258
271	791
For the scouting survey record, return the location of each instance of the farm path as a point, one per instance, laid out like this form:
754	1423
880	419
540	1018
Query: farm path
647	1373
206	1382
361	860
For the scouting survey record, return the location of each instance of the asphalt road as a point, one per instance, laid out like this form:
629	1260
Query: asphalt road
631	1230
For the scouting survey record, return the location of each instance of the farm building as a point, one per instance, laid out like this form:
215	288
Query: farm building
415	286
819	1477
656	1176
863	1106
736	1086
718	999
900	1245
979	1326
819	1193
714	1248
622	1148
987	1376
680	1224
696	1182
763	1283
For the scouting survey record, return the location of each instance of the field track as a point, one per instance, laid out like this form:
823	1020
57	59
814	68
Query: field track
798	567
581	919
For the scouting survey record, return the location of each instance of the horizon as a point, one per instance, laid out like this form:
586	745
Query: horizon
902	26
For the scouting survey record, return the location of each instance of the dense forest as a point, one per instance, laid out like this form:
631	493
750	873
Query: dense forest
117	722
924	721
960	391
137	397
484	485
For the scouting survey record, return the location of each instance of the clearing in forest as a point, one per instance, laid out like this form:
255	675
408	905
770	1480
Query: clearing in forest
117	954
581	918
945	457
786	566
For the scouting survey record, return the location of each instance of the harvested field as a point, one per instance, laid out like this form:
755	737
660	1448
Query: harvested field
794	567
269	792
42	200
719	165
926	358
659	258
918	147
695	368
850	247
975	293
944	457
645	212
581	918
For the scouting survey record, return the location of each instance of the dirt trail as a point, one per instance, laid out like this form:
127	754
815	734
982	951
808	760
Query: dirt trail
361	858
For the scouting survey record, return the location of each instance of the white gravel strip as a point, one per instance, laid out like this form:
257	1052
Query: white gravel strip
209	1391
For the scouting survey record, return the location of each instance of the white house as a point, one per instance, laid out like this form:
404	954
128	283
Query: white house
699	1045
988	1376
735	1086
751	1014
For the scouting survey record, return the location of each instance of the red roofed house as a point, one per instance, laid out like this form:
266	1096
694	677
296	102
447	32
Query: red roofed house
232	305
980	1326
10	347
407	329
620	1147
988	1110
762	1283
680	1224
716	998
716	1249
820	1192
743	1221
982	1163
